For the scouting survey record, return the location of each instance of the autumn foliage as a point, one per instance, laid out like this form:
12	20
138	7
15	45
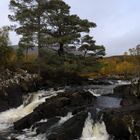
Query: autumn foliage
119	65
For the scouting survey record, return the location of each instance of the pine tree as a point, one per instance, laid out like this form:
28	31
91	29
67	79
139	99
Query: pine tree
88	44
64	28
31	18
48	22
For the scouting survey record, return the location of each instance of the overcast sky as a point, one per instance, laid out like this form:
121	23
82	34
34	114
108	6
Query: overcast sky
118	21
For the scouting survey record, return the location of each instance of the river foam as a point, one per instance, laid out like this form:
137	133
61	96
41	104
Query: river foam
94	131
8	117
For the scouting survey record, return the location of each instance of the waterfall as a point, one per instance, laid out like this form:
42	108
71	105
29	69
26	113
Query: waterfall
8	117
30	134
94	131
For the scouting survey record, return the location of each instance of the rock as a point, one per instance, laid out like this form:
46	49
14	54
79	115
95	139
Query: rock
128	93
13	85
3	105
70	130
58	105
27	121
122	122
117	127
14	97
41	127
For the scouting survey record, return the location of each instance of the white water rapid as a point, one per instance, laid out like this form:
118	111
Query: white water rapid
91	130
94	131
8	117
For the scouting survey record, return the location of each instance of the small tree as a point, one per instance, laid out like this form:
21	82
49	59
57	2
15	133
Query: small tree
88	44
135	52
5	50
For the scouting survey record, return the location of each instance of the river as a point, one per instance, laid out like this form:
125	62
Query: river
91	130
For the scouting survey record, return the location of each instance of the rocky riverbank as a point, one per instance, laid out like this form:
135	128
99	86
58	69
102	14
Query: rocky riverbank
71	114
13	85
121	123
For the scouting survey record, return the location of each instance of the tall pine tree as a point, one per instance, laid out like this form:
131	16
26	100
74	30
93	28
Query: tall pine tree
32	22
47	22
64	28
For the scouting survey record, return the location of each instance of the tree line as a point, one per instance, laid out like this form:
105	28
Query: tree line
42	23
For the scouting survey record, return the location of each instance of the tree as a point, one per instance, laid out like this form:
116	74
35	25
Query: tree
32	21
25	44
48	22
125	54
138	49
5	50
125	68
135	52
88	45
64	28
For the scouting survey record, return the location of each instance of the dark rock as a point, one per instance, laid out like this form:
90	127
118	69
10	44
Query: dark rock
13	84
128	93
14	98
3	105
43	126
27	121
122	122
59	105
11	97
70	130
117	126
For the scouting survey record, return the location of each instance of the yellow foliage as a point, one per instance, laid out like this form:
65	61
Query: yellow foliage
118	65
125	68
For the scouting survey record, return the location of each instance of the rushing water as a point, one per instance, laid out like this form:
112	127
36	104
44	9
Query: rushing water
94	131
8	117
91	130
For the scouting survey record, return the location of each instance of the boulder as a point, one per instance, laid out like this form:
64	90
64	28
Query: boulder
70	130
128	93
123	123
27	121
58	105
13	84
14	96
42	127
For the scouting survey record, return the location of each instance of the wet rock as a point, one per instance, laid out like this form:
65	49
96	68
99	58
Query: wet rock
70	130
3	105
128	93
122	123
41	127
27	121
13	85
14	96
59	105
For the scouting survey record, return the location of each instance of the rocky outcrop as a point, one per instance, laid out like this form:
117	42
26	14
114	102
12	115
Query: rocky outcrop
42	127
13	85
69	130
130	94
123	123
59	105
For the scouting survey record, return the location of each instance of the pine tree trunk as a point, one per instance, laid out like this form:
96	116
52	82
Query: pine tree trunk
61	49
39	44
85	53
26	55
